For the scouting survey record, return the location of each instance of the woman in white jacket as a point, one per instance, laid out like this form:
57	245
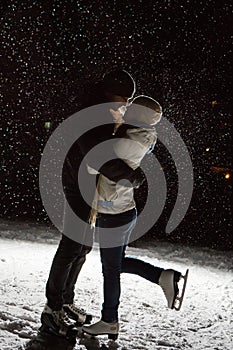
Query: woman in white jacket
116	217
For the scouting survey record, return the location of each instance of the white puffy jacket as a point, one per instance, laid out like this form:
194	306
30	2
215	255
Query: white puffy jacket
114	198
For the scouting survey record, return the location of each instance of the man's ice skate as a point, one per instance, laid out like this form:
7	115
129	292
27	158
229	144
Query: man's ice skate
169	283
77	314
58	323
103	328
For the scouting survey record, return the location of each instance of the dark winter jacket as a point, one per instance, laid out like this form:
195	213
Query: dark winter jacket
114	170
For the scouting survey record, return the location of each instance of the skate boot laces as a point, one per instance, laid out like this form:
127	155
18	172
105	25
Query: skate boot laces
76	309
76	313
62	317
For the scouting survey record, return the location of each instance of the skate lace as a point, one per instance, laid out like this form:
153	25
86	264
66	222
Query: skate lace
78	309
62	317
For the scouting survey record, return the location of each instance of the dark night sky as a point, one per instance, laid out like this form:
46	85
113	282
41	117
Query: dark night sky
179	53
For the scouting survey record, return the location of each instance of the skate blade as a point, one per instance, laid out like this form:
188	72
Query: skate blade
179	298
93	336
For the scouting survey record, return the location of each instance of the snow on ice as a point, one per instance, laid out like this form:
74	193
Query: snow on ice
204	322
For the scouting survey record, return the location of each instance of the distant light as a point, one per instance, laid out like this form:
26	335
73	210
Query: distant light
47	125
227	176
207	149
213	103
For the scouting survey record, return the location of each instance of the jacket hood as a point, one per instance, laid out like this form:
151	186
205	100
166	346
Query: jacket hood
141	115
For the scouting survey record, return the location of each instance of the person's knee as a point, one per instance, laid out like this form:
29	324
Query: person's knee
70	248
111	270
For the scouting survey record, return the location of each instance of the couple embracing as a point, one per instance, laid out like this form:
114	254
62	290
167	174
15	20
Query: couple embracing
129	123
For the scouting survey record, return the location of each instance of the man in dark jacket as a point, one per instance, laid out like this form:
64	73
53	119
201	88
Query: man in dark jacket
117	86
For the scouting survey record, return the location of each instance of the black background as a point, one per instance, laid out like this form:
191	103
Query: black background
179	52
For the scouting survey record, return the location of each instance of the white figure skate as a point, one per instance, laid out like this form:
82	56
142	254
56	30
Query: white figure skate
168	281
102	328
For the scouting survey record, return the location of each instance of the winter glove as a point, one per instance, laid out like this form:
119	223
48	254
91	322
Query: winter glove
118	171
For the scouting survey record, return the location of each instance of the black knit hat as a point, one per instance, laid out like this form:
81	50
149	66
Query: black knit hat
119	82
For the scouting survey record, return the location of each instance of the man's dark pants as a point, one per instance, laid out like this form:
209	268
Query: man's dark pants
66	266
69	258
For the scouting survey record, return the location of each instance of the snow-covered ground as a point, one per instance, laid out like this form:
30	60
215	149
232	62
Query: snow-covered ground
204	322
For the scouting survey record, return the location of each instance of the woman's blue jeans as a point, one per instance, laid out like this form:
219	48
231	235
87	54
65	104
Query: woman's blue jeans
114	261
